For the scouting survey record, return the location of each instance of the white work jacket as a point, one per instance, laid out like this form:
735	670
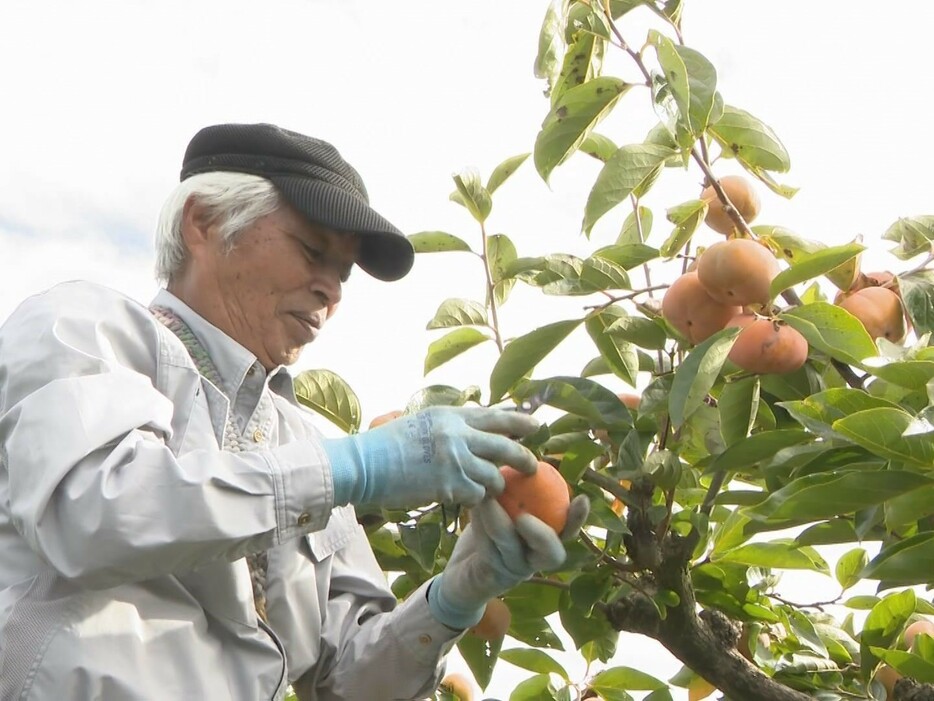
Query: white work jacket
124	525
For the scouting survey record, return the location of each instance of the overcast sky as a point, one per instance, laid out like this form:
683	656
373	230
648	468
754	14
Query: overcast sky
98	100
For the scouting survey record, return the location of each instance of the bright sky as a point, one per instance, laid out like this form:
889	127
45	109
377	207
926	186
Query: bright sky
99	99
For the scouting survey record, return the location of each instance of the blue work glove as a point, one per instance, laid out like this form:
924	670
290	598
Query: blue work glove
441	454
493	555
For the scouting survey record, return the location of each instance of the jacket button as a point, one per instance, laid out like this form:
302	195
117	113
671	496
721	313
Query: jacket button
304	519
258	436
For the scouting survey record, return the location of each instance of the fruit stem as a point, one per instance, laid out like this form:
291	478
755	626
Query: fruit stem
491	297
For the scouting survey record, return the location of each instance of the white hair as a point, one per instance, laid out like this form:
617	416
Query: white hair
234	201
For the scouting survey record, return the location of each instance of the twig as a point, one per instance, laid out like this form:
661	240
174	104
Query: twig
669	505
819	605
490	289
628	295
624	567
608	484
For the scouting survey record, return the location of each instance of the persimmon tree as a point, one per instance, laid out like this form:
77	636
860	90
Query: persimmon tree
774	396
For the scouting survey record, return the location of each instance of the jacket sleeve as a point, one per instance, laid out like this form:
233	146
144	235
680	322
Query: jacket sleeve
372	646
94	489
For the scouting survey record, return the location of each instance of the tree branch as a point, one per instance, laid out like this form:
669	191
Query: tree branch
706	643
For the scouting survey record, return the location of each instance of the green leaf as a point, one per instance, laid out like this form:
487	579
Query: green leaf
329	394
744	455
441	395
536	661
861	603
584	628
579	396
501	255
436	242
825	495
522	354
907	663
778	554
534	631
691	105
905	563
910	507
917	292
472	195
598	146
805	632
572	118
881	432
676	73
458	312
833	331
819	411
849	567
738	405
645	333
577	458
911	374
626	170
832	532
731	533
686	217
625	678
537	688
812	265
480	656
636	228
599	274
706	105
504	170
451	345
914	236
785	191
422	541
583	58
883	625
620	355
659	695
627	256
551	44
750	141
697	374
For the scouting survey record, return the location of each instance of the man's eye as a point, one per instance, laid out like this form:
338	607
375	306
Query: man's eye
313	253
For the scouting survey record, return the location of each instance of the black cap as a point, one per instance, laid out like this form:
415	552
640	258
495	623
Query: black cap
311	175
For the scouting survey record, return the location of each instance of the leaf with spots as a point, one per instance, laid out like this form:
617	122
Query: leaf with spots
328	393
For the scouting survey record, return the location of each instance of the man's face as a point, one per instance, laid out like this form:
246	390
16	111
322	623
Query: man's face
273	291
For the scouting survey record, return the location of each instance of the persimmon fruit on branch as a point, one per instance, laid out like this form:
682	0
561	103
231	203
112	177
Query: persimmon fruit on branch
742	195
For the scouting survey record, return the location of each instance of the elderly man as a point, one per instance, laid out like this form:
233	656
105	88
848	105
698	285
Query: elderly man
172	525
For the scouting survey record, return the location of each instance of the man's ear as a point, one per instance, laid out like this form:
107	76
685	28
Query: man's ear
195	224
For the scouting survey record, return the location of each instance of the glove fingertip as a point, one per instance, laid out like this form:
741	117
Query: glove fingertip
529	464
578	511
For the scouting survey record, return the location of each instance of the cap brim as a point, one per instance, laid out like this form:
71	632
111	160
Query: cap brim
385	252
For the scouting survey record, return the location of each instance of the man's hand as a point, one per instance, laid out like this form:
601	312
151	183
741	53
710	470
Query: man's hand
441	454
493	555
